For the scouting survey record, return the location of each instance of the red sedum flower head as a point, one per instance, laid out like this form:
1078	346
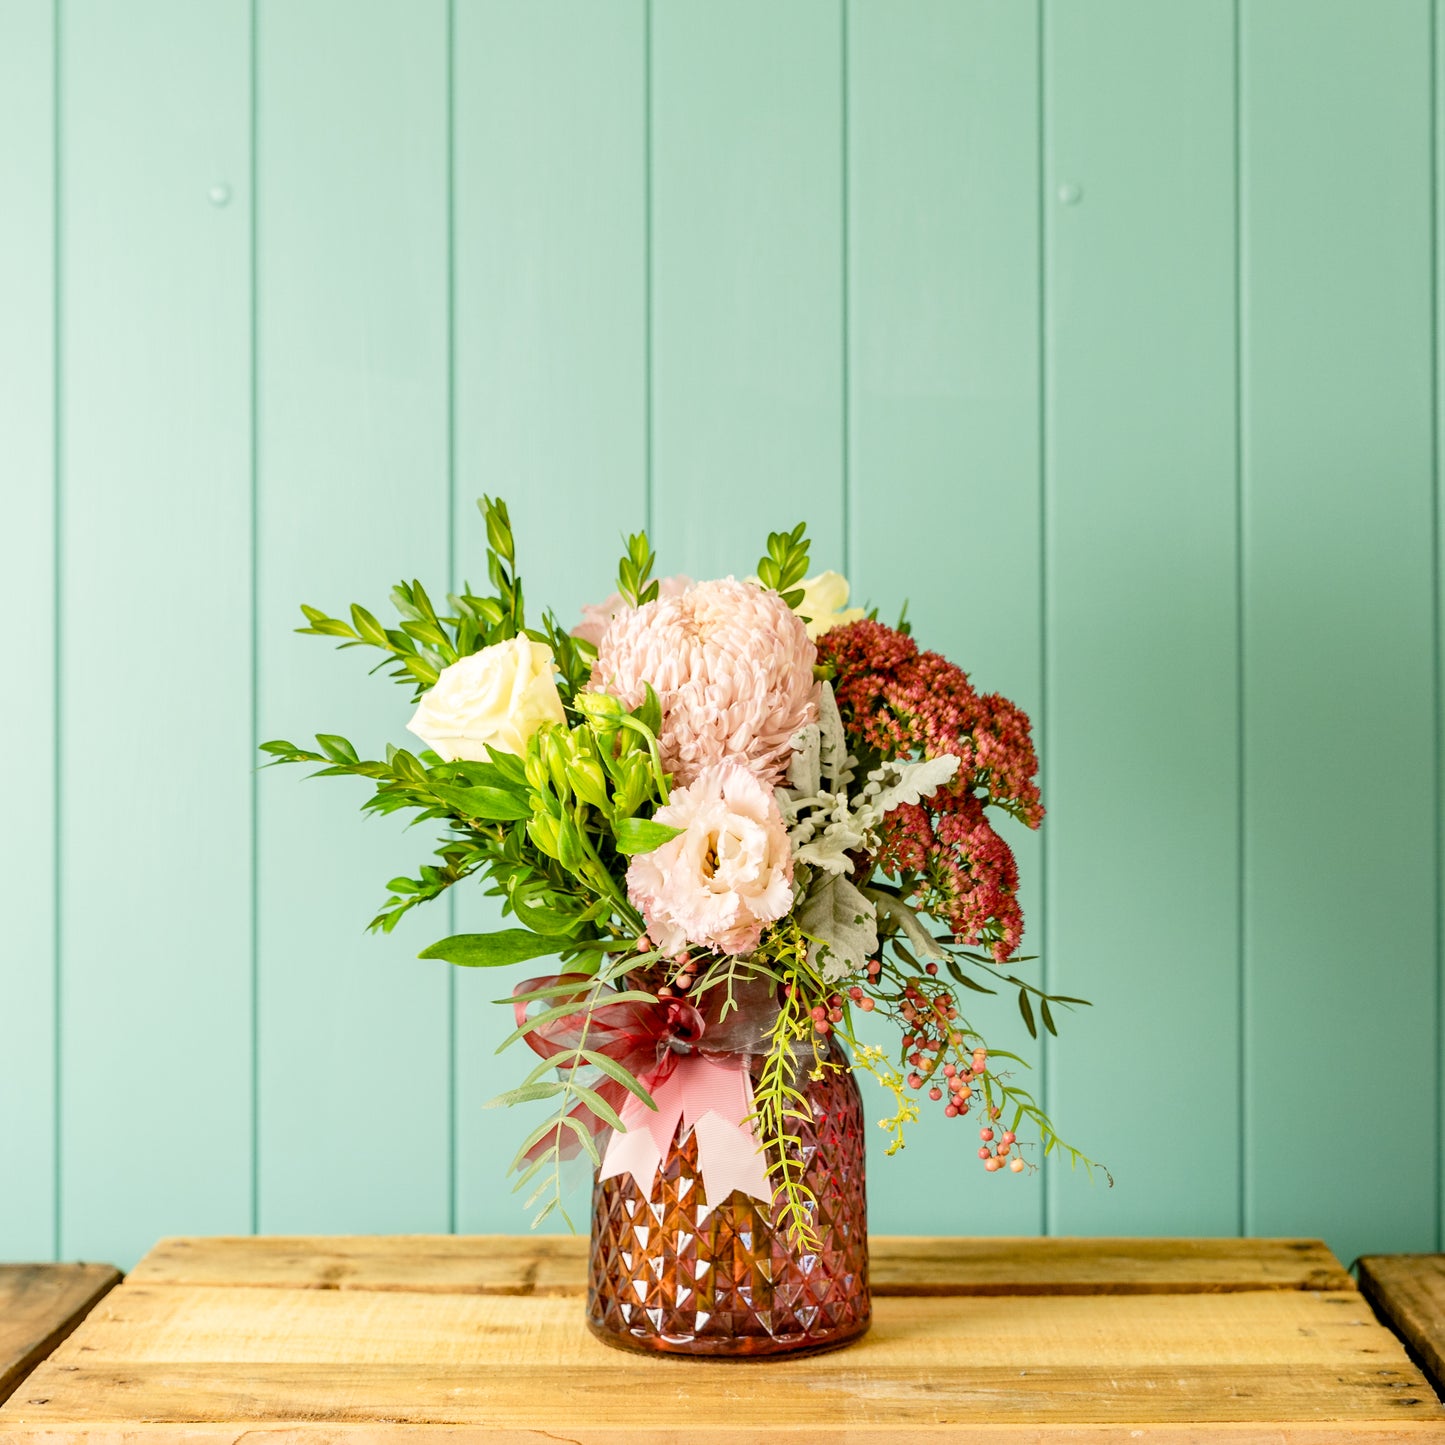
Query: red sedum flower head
899	702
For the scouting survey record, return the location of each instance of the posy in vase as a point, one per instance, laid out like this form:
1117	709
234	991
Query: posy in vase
742	815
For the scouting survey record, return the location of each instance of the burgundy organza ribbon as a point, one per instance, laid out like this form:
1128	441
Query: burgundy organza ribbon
697	1075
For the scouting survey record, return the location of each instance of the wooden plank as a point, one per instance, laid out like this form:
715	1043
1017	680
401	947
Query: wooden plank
27	561
550	319
504	1264
242	1325
1142	622
1338	600
747	285
352	1050
833	1431
721	1401
943	411
1408	1291
155	517
40	1304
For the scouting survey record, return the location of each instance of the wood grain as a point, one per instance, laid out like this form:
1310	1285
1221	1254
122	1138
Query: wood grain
1408	1290
507	1264
162	1325
40	1304
718	1401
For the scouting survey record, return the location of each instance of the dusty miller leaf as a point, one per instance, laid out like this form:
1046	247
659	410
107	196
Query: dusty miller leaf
845	925
911	782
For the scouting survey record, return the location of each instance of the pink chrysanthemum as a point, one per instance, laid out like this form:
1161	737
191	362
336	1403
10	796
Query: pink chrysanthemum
732	666
596	615
729	872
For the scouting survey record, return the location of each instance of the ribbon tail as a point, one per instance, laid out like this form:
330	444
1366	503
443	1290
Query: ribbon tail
718	1103
647	1136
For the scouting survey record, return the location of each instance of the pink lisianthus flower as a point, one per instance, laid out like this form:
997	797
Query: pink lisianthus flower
729	872
596	615
732	666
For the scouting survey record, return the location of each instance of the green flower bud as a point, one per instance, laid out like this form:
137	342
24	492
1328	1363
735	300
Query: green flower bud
589	782
544	832
569	845
599	708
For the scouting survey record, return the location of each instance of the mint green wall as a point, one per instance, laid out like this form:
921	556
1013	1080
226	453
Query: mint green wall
1103	330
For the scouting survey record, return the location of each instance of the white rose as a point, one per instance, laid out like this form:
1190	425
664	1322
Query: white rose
500	695
825	604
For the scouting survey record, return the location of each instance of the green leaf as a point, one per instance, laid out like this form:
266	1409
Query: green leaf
649	714
367	626
1048	1018
598	1105
584	1136
965	980
337	748
525	1095
1027	1010
494	950
542	920
540	1162
641	835
614	1070
493	805
509	765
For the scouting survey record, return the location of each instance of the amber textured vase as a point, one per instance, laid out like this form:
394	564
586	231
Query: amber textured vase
664	1278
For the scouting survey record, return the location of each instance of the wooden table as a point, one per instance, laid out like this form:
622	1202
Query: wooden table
444	1339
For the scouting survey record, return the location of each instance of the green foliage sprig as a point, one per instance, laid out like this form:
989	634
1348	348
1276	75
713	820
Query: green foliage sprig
634	571
786	563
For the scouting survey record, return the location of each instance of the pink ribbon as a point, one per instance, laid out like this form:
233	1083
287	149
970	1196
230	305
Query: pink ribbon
657	1043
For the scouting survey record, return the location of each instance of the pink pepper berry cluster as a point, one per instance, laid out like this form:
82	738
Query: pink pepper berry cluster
826	1015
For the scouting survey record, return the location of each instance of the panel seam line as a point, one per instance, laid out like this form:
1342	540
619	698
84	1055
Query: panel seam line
253	399
1241	830
451	505
845	258
1438	701
1045	730
56	621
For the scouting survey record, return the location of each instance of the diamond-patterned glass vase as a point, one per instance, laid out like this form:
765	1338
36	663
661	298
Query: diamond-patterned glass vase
662	1277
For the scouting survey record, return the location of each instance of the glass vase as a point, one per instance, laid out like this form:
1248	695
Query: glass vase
666	1276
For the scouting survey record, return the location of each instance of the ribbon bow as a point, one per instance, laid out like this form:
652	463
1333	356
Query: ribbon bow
703	1085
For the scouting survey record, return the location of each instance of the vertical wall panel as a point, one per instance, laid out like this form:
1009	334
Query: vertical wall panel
747	365
1142	690
155	696
943	366
352	449
27	686
551	404
1339	745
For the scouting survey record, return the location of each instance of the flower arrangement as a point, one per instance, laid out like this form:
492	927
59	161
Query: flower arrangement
702	793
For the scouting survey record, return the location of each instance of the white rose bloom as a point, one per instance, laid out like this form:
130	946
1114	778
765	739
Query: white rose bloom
500	695
825	604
